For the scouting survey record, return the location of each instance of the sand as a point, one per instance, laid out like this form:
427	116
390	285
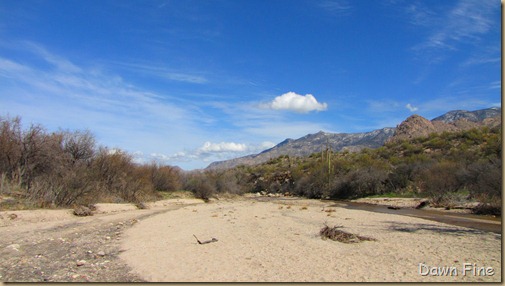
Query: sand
278	241
53	245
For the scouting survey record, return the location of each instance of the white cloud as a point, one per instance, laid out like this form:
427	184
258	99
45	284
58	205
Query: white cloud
495	85
411	107
59	93
297	103
163	72
468	20
210	152
267	145
335	6
186	77
209	147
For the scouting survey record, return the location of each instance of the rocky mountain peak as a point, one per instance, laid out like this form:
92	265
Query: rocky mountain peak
472	116
457	120
414	126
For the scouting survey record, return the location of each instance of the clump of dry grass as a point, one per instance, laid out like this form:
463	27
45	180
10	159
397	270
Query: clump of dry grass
334	233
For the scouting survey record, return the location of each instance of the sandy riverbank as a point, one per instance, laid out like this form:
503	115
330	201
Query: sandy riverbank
279	241
56	246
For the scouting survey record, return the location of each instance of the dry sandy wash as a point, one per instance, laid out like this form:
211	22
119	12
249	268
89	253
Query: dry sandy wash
279	241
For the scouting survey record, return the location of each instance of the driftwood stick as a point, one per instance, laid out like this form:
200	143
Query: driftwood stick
199	242
205	242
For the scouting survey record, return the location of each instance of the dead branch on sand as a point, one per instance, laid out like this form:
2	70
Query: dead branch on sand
205	242
336	234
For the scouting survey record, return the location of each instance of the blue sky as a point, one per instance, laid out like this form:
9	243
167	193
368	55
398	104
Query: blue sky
187	83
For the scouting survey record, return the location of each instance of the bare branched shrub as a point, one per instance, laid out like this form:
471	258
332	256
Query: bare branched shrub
163	178
66	168
484	180
10	148
439	182
79	145
202	185
115	172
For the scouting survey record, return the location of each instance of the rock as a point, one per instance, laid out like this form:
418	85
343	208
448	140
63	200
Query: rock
82	211
13	247
142	206
422	204
81	262
101	253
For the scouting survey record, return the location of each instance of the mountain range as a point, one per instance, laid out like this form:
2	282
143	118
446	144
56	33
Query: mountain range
414	126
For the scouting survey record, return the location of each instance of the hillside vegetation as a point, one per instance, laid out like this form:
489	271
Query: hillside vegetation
449	168
66	168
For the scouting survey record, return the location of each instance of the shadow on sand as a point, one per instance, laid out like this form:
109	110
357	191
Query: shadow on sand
447	230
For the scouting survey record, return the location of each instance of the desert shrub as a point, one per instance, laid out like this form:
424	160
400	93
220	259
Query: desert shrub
313	185
63	187
117	174
10	148
368	181
483	179
488	209
201	185
80	146
230	181
342	188
163	178
66	168
439	182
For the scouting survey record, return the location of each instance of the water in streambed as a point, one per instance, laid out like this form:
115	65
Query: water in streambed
480	222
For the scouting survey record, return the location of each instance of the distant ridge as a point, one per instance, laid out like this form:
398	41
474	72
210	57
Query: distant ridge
413	126
472	116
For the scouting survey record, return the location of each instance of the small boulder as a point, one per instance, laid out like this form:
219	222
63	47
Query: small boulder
82	211
422	204
81	262
142	206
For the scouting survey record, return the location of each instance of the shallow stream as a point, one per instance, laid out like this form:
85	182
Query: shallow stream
480	222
